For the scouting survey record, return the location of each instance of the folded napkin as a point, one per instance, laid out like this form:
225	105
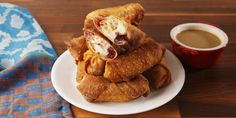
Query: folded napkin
26	57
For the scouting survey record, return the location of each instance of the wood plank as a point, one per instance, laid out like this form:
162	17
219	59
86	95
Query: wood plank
205	109
75	7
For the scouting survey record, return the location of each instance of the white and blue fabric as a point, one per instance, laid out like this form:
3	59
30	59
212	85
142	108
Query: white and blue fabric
20	36
26	60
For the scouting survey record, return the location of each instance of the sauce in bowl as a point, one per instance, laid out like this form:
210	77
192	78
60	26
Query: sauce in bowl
198	38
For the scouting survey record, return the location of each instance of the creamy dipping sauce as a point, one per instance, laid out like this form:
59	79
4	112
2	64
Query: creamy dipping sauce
198	39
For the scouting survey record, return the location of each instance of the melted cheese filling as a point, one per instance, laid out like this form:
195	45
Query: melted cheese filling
99	45
111	27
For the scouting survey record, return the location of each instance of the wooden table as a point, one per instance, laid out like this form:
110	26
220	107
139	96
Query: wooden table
206	92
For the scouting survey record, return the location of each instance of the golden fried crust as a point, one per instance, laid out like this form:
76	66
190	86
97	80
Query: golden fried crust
159	75
92	86
132	90
80	71
132	13
99	89
77	46
94	65
127	66
134	35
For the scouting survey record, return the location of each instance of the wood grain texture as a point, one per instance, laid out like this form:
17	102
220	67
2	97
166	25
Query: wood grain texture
206	93
170	110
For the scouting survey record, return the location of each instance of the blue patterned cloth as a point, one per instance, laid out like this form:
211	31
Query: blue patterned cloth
20	35
26	57
26	91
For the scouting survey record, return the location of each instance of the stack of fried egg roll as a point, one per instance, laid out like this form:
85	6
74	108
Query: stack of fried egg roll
116	61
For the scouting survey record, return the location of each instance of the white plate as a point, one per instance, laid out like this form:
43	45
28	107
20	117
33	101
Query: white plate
63	79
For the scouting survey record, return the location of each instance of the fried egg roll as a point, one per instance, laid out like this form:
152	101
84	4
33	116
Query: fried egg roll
99	89
94	65
118	31
77	46
132	13
159	75
127	66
